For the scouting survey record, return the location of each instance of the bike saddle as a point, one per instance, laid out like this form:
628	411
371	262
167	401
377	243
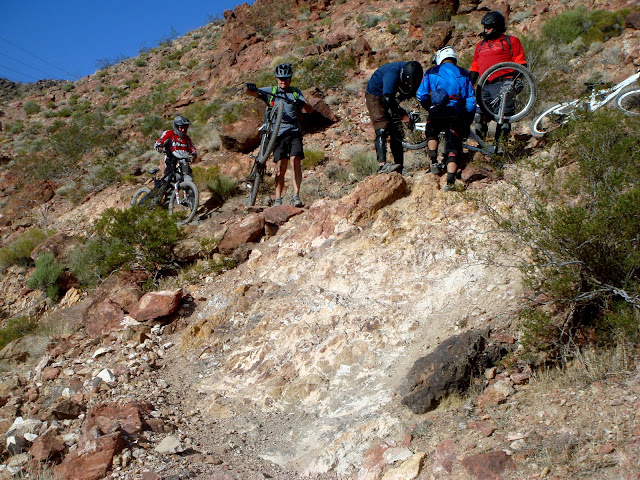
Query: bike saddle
592	85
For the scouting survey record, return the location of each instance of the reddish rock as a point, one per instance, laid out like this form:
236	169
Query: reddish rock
111	417
47	447
248	229
155	305
488	466
50	373
475	173
373	193
446	456
66	409
484	428
503	338
106	317
93	460
242	136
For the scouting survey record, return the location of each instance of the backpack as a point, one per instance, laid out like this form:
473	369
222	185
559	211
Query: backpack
275	89
439	97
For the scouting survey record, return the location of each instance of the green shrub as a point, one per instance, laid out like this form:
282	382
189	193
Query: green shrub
19	251
124	238
16	327
68	86
30	107
152	125
324	72
582	234
364	164
222	187
598	25
312	158
199	91
47	275
201	112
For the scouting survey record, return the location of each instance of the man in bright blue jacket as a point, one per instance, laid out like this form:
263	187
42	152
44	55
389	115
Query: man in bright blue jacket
446	92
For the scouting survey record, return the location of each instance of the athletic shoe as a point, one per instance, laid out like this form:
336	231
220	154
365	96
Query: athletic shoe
277	201
296	202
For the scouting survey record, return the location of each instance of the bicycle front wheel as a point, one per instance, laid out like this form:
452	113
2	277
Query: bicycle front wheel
141	197
272	120
184	202
257	175
413	134
629	102
551	118
513	94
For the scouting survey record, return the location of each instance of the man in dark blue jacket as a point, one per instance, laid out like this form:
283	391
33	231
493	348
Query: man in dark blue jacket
390	84
446	92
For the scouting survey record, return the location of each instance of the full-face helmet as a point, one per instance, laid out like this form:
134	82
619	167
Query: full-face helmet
496	21
410	78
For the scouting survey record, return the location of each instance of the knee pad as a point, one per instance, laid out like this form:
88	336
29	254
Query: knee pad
452	158
433	155
381	145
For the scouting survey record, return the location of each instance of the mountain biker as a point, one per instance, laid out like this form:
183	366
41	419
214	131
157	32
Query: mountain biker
390	84
289	140
495	47
447	94
180	143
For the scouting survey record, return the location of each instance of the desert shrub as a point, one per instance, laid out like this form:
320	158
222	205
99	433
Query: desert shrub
68	86
123	238
322	72
152	125
19	251
582	234
312	158
14	127
199	91
264	16
598	25
30	107
220	186
364	164
201	112
368	21
46	276
15	328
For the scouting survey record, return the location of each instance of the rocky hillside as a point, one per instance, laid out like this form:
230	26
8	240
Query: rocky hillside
373	334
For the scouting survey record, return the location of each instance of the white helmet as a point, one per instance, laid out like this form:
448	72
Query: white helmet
444	53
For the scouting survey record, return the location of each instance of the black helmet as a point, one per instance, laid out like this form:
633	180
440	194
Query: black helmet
410	77
496	21
181	120
284	70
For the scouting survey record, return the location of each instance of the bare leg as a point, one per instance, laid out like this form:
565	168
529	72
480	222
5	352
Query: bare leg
284	163
297	175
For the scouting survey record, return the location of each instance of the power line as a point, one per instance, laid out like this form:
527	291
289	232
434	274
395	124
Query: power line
19	73
35	56
25	64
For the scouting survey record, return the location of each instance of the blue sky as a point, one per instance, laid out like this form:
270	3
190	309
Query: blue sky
65	39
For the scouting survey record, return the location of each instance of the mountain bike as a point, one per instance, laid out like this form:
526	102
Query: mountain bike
175	191
519	90
268	135
627	97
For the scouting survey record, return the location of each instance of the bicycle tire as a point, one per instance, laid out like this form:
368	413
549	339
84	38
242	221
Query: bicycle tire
629	101
189	206
524	98
552	118
257	174
413	139
140	197
272	120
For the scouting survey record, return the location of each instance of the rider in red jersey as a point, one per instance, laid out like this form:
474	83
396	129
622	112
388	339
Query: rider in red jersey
181	144
495	47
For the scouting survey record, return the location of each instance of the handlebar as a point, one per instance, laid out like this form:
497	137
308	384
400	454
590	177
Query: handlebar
267	96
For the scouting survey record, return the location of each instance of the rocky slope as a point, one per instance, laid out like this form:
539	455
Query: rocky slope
359	337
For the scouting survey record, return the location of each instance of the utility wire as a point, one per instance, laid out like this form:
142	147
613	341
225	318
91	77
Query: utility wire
41	59
26	64
19	73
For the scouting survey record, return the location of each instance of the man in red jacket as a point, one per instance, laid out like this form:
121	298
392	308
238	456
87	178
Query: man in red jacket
179	142
495	47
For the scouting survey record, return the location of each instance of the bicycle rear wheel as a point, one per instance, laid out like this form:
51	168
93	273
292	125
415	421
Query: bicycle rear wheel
629	102
519	90
551	118
272	120
184	202
413	135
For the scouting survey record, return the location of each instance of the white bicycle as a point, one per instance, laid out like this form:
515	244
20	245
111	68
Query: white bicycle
627	97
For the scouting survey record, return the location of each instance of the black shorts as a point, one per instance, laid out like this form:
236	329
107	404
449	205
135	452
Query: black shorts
288	145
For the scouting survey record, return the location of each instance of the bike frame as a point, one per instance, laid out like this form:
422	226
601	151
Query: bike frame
609	94
483	147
